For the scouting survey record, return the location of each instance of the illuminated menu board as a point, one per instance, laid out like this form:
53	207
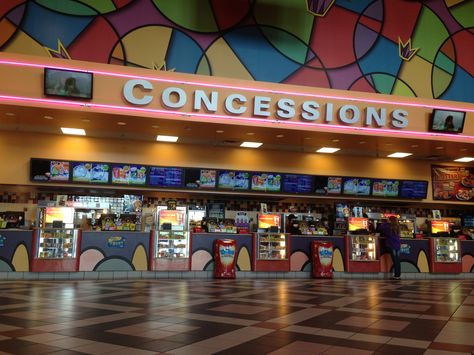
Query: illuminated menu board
327	185
297	184
42	170
233	180
166	177
200	178
94	173
128	174
356	186
413	189
269	182
385	188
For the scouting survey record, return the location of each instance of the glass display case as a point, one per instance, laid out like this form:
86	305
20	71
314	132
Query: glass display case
56	243
363	247
172	237
272	246
447	250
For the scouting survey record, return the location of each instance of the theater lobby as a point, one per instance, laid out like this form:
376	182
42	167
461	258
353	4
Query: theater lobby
308	316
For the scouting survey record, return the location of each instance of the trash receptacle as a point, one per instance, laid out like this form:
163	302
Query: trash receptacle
224	258
322	252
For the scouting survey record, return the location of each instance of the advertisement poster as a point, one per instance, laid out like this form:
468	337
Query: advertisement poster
233	180
453	183
266	182
175	217
356	223
439	226
59	170
356	186
129	174
385	188
90	172
208	179
266	221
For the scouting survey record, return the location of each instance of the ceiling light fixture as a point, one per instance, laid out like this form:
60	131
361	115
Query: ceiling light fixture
251	144
280	135
439	148
161	138
399	155
73	131
155	126
250	133
219	131
464	160
122	123
335	140
85	120
9	114
49	117
327	150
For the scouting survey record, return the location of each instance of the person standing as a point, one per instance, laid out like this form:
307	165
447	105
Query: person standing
391	231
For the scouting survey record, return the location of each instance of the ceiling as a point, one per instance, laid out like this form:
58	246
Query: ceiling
49	121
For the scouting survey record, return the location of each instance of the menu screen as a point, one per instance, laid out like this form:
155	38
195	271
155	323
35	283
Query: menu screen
268	220
95	173
356	186
327	185
356	223
49	170
413	189
297	184
166	177
385	188
453	183
129	174
233	180
270	182
200	178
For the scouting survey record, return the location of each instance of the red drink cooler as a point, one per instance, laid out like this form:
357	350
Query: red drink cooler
322	252
224	258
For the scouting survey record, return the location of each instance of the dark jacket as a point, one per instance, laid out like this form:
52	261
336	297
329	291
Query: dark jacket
392	239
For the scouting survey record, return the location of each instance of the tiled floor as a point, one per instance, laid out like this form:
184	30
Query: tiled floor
237	317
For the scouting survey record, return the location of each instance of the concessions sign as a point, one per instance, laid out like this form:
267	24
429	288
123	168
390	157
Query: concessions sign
453	183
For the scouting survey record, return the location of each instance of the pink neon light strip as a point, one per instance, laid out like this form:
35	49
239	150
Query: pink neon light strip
223	86
210	117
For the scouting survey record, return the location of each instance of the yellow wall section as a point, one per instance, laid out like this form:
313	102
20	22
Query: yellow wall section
140	260
243	260
224	62
20	259
422	262
337	260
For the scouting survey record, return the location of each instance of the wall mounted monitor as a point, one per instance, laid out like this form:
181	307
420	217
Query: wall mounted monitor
165	177
196	178
269	182
42	170
233	180
327	185
94	173
385	188
413	189
357	223
297	184
444	121
129	174
68	83
356	186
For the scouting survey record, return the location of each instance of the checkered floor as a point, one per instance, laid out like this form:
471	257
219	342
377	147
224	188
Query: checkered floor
237	317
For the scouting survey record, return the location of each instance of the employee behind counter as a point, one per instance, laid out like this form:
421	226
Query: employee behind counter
296	227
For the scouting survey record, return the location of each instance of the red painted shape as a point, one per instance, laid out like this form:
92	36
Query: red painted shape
371	23
96	42
6	6
229	13
362	84
463	42
400	18
309	77
121	3
54	265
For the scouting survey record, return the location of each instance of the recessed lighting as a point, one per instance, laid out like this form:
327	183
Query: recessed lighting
74	131
335	140
399	155
251	144
462	149
439	148
307	138
9	114
187	128
464	160
122	123
388	144
414	146
155	126
85	120
49	117
362	142
161	138
327	150
280	135
250	133
219	131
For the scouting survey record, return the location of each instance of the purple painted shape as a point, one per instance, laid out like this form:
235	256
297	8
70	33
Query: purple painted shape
363	40
319	6
16	15
375	11
343	78
142	13
441	10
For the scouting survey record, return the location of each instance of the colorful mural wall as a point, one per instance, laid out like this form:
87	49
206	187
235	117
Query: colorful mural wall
403	47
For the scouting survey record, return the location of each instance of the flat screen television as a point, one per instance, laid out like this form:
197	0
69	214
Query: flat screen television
94	173
68	83
297	184
444	121
195	178
327	185
42	170
385	188
356	186
129	174
233	180
413	189
269	182
357	224
166	177
268	220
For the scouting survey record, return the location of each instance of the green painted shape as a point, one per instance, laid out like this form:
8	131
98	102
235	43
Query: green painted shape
209	267
71	7
445	63
287	44
441	81
4	266
203	67
290	15
408	267
195	15
402	89
114	265
103	6
464	13
383	83
429	35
